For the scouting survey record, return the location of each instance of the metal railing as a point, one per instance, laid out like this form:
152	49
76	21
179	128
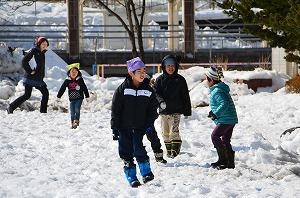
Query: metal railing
115	37
99	69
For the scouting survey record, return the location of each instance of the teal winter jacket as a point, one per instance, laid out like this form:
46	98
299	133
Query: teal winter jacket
221	104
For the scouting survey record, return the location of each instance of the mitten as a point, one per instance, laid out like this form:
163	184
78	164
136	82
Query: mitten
212	115
162	105
115	134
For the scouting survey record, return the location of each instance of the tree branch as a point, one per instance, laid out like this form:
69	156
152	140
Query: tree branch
143	12
137	24
115	14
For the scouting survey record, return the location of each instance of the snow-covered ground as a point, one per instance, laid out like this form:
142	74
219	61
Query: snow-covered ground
41	156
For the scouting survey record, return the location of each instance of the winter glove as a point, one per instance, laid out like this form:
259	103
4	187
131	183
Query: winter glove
150	129
115	134
211	115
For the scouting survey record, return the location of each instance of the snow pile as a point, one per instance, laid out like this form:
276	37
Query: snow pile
9	61
290	142
6	89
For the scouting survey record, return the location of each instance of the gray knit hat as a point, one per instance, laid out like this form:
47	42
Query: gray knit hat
214	73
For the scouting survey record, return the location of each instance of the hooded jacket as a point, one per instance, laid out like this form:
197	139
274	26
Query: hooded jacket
173	90
221	104
132	107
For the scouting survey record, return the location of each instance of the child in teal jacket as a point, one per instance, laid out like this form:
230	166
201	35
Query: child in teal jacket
223	113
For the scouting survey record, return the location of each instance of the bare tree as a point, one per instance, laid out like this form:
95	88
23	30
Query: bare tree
135	22
12	6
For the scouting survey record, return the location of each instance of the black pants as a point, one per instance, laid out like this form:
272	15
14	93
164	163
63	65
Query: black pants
26	96
155	142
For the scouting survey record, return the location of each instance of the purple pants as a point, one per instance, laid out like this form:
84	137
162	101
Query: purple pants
221	135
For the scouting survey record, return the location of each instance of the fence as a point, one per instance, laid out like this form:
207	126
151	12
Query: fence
100	69
113	37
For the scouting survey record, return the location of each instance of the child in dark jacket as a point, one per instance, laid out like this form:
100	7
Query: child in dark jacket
77	90
224	115
134	110
173	97
34	66
152	137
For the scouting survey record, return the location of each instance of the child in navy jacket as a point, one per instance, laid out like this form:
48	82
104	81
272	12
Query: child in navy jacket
77	90
134	110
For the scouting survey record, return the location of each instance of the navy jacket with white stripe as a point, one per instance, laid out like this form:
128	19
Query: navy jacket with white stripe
132	107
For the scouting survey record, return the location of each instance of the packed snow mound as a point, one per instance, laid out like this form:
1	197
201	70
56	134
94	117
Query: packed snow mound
52	59
7	89
10	59
290	142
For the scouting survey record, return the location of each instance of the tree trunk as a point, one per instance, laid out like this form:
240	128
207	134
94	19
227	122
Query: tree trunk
135	26
131	27
140	42
133	50
139	27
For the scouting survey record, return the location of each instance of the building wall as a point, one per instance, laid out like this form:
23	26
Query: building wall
281	65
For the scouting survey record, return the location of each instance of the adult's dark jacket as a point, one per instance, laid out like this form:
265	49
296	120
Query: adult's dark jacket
173	90
38	58
132	107
76	88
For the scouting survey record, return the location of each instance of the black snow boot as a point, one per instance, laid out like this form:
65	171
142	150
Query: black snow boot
148	177
9	110
168	147
175	150
222	161
230	155
159	157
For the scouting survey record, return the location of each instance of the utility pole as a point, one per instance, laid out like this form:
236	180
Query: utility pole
189	29
173	25
74	28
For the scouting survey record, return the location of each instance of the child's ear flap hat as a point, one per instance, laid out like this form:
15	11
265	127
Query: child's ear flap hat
74	65
214	73
134	64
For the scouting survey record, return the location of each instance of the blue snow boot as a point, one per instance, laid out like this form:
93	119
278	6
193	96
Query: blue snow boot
145	171
130	173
